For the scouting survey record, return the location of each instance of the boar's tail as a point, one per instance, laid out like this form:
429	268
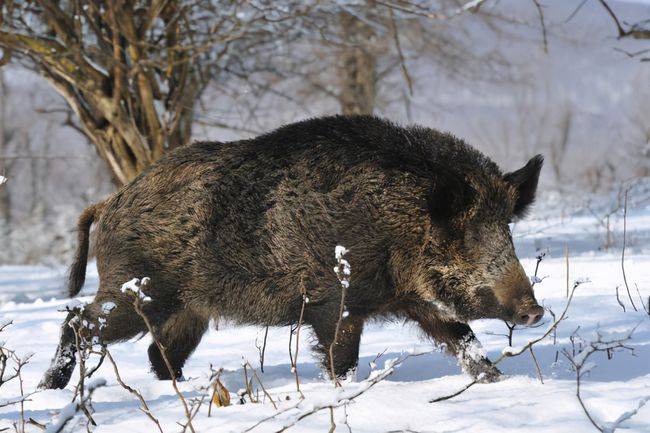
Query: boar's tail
77	275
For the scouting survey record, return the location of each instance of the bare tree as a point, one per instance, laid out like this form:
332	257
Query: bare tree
637	133
349	49
358	66
132	71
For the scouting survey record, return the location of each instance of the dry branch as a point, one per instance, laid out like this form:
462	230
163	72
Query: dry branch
68	412
133	79
9	357
540	13
579	360
134	288
342	271
627	287
294	358
144	407
636	31
342	397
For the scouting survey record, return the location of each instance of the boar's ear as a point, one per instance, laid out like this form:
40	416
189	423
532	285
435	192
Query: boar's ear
449	196
525	181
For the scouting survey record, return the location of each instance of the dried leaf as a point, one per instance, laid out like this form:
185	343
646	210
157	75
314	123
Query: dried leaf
221	396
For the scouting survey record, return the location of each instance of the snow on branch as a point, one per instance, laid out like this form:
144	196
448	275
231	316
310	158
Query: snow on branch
9	358
343	272
135	286
72	409
604	342
338	397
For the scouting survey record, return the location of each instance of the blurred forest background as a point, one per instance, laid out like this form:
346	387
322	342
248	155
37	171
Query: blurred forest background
91	92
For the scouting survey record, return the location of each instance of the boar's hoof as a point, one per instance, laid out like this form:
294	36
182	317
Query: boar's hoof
482	370
488	374
56	378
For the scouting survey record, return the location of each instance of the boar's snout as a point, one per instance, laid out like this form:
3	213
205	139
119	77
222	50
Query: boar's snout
529	316
515	295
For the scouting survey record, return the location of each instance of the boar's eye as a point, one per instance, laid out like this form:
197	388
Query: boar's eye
525	181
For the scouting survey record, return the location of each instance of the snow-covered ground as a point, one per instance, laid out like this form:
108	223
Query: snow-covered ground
31	297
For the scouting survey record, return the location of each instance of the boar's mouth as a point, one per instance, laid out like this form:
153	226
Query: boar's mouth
488	306
483	304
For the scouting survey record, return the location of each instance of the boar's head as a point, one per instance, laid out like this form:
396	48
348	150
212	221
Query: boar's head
470	265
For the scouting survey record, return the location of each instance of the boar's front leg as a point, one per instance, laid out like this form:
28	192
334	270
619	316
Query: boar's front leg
459	341
179	335
346	349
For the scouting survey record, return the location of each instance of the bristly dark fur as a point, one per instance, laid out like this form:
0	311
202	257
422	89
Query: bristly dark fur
77	272
238	230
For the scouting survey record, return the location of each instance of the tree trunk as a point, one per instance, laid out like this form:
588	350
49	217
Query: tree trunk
5	198
358	74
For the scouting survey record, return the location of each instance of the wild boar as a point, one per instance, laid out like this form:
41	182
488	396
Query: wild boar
239	230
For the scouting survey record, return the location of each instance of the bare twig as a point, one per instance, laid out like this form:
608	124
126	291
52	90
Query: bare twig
262	349
540	13
511	329
400	52
575	11
557	352
643	305
83	343
134	287
248	383
68	412
627	287
618	299
35	423
619	28
342	397
511	352
332	423
144	407
539	370
578	359
632	54
343	274
266	393
294	358
194	410
19	362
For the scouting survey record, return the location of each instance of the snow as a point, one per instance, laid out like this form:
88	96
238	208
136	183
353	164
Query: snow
339	252
68	412
74	304
107	307
389	395
134	286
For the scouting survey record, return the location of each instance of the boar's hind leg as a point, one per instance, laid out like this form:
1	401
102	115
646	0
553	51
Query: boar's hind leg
62	366
179	335
346	349
460	341
120	324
